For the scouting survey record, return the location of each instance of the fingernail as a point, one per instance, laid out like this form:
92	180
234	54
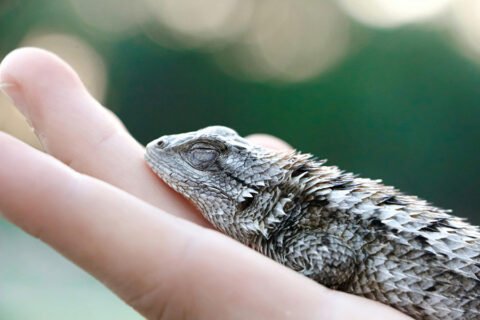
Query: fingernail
13	93
4	85
3	88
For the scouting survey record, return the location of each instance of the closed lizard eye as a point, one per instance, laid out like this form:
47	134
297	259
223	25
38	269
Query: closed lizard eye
202	156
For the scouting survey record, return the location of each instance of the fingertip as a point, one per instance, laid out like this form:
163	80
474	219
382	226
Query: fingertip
268	141
33	76
29	64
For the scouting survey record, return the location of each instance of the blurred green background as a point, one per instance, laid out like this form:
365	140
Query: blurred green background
387	89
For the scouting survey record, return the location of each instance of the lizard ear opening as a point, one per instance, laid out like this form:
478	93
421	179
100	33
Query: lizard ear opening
246	198
245	204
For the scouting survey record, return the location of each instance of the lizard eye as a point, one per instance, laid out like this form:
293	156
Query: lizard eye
202	156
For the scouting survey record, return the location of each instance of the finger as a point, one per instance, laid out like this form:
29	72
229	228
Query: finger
75	128
165	267
269	141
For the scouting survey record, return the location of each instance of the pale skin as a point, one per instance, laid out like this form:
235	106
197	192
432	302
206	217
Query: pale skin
93	199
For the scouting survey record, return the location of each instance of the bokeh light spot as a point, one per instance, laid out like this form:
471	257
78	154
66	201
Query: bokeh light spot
466	27
198	22
115	17
291	41
393	13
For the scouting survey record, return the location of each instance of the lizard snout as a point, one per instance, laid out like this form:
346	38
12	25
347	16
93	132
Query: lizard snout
158	144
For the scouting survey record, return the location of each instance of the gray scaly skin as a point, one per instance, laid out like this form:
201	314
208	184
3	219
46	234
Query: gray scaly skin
348	233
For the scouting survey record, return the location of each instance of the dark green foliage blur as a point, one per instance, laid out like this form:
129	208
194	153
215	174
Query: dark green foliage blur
403	107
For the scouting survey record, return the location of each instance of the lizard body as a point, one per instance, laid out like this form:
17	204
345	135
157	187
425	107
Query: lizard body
347	233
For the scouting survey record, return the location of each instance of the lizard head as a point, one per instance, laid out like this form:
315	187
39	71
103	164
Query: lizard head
228	178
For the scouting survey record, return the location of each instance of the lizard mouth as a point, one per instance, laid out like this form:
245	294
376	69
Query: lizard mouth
154	161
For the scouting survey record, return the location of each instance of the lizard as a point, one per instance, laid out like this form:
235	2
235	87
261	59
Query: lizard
347	233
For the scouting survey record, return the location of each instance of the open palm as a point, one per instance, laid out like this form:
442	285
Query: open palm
98	204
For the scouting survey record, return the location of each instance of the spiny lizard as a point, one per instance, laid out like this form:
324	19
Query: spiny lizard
345	232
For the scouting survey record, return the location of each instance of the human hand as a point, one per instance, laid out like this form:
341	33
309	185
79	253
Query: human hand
113	217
